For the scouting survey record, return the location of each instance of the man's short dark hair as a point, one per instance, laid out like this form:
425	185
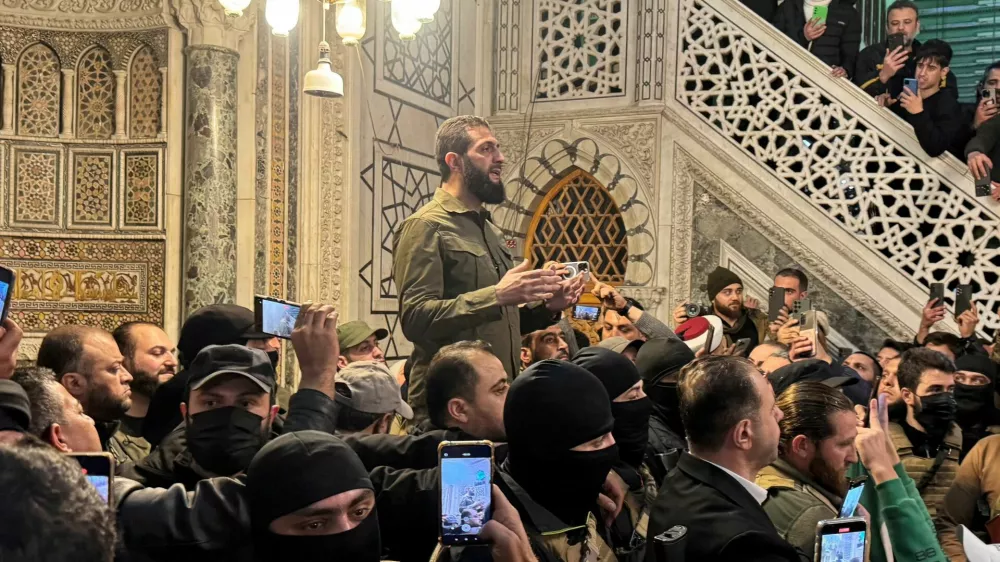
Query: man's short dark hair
916	362
808	407
797	274
899	346
349	419
453	136
123	337
450	375
937	50
716	393
46	404
951	341
582	340
903	5
62	349
49	510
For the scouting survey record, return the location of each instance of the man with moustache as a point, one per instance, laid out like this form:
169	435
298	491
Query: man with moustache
151	358
454	275
739	319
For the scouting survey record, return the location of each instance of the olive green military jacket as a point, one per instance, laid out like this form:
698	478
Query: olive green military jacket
795	504
447	261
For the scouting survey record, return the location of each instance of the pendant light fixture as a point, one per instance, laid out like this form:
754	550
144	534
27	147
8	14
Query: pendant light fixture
323	81
404	19
282	15
234	8
350	21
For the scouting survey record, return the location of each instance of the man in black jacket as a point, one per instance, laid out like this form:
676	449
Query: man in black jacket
658	367
835	40
934	113
709	507
763	8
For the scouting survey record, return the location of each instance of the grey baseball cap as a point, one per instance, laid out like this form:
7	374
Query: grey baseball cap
619	344
367	386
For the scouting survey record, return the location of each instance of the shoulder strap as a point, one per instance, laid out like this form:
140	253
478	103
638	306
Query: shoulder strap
942	454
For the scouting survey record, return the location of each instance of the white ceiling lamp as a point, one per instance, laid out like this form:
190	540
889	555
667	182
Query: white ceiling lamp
404	19
234	8
425	9
282	15
350	22
323	81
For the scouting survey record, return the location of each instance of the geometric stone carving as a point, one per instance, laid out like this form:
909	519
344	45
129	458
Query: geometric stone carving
887	199
36	187
38	92
580	222
96	95
580	48
423	65
92	189
141	189
636	140
144	102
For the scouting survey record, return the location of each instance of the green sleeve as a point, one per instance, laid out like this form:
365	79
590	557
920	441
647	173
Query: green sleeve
418	271
907	521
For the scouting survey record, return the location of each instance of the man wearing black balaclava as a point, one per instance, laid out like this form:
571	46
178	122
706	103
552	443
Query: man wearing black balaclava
560	450
974	388
325	512
631	408
658	366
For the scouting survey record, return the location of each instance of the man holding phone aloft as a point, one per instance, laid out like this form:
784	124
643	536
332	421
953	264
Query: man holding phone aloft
454	275
829	29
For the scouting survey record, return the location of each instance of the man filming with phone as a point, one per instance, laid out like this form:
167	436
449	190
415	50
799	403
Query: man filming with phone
740	319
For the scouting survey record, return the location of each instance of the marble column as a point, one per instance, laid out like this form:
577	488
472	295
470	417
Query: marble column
210	176
121	80
163	103
8	99
68	102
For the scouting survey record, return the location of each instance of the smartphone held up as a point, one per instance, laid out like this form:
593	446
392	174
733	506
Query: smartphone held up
6	290
275	317
466	488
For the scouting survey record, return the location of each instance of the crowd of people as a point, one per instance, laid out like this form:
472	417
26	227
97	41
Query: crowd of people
910	78
728	436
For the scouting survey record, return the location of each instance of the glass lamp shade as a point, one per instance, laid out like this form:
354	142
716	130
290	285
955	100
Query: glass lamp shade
350	22
404	19
323	81
234	7
282	15
425	9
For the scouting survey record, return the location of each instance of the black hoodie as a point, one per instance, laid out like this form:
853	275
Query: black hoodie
658	366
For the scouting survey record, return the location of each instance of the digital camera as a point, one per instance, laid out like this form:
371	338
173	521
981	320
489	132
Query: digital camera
695	310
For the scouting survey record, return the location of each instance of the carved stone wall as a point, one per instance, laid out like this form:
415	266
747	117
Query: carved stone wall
82	164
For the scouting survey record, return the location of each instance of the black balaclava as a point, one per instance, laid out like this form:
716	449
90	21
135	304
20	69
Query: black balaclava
618	374
297	470
975	403
658	359
552	407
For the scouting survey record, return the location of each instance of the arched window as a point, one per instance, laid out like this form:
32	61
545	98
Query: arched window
144	98
38	92
95	101
579	221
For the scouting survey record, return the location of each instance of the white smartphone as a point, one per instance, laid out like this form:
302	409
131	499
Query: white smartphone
842	540
466	490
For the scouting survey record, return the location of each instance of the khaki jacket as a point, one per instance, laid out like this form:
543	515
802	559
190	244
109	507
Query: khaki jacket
973	497
447	261
795	504
932	494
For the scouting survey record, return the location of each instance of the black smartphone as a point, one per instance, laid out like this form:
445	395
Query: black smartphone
937	293
586	312
963	299
99	468
740	347
466	502
275	317
984	185
894	41
853	496
775	302
842	539
7	277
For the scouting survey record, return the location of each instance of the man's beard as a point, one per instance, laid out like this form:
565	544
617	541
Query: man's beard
103	406
827	477
144	383
730	311
479	184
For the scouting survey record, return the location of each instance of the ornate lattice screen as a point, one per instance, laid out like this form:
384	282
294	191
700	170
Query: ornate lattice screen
578	221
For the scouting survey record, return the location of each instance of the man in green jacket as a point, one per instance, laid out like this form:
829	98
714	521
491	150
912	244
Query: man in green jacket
453	272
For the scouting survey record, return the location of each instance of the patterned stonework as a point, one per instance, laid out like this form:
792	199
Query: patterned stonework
423	65
276	226
38	79
210	178
144	101
95	108
141	190
69	46
637	141
94	282
36	187
580	48
92	189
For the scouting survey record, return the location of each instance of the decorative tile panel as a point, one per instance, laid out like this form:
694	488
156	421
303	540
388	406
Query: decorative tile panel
141	189
423	65
92	189
95	85
144	101
38	79
79	281
276	224
35	187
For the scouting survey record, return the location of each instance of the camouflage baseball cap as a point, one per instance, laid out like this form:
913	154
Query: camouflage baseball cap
352	333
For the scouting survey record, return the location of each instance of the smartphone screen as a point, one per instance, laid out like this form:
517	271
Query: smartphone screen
584	312
99	470
6	287
842	539
852	499
276	317
466	490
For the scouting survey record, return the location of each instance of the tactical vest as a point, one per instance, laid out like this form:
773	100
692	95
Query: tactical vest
917	467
